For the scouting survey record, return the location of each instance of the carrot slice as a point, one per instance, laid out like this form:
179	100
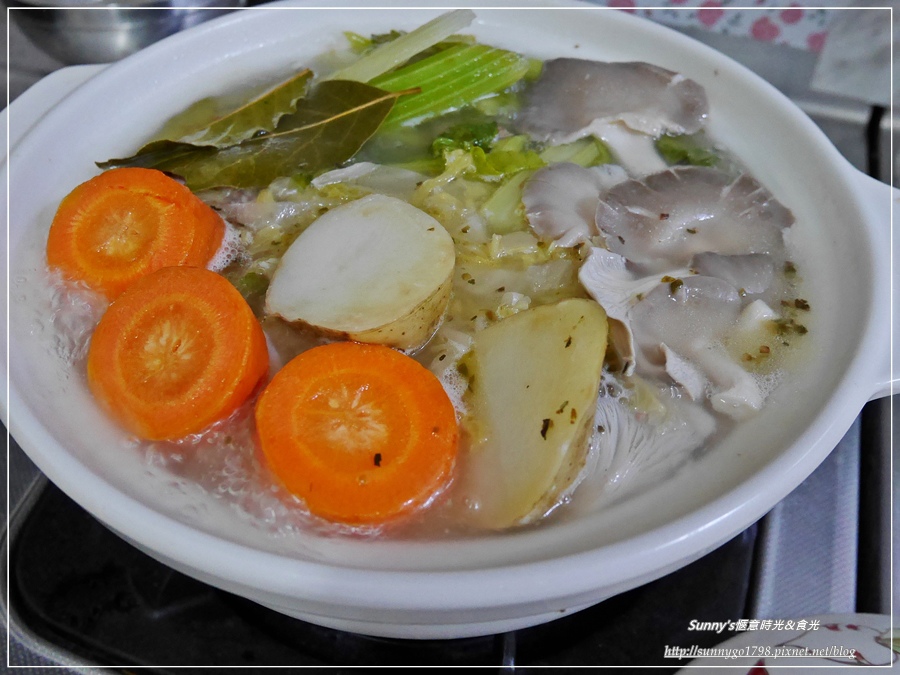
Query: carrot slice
127	222
177	351
359	431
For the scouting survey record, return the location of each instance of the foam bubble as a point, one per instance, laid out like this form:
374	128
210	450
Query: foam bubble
75	311
455	385
769	382
230	250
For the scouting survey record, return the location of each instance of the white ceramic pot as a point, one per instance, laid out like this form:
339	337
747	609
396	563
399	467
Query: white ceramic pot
486	584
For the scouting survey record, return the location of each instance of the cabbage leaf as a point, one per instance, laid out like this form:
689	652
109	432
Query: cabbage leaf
685	149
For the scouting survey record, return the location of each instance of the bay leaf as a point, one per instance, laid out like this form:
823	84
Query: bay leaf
328	127
225	120
160	154
261	114
198	115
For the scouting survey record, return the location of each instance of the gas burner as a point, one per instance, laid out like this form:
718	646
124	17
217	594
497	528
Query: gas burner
79	587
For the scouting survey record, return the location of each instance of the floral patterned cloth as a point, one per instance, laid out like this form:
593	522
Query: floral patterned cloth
765	20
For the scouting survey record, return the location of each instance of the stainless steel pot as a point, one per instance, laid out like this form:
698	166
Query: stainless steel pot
102	32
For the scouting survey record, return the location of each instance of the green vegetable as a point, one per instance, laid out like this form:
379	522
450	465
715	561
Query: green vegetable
503	104
585	152
359	43
535	68
465	137
499	163
519	143
402	48
429	166
490	160
450	80
685	149
503	211
252	284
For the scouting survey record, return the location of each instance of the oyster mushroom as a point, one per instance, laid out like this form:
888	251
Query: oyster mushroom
667	218
684	373
607	279
627	104
751	273
632	449
571	95
675	323
684	326
561	200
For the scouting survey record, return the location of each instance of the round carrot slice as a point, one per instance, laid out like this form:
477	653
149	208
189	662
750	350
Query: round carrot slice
361	432
177	351
127	222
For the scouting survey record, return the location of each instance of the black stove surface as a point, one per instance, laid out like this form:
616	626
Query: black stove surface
76	585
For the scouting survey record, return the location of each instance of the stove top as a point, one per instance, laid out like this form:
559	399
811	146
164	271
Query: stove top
79	587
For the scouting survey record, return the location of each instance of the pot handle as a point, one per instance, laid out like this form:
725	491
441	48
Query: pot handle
881	200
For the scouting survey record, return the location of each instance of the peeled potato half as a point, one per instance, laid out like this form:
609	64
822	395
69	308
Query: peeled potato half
532	400
374	270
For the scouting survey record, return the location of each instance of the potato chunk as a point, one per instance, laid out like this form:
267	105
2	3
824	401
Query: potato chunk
534	386
374	270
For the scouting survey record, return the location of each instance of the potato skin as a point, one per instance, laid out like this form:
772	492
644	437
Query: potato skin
408	333
375	270
411	332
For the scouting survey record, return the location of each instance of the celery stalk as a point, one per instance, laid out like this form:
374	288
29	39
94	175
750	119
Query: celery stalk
450	79
391	54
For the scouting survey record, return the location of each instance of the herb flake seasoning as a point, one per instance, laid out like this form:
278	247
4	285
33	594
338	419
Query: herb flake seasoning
674	284
545	427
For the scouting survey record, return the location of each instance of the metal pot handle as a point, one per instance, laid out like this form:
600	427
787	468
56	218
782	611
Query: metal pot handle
881	200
